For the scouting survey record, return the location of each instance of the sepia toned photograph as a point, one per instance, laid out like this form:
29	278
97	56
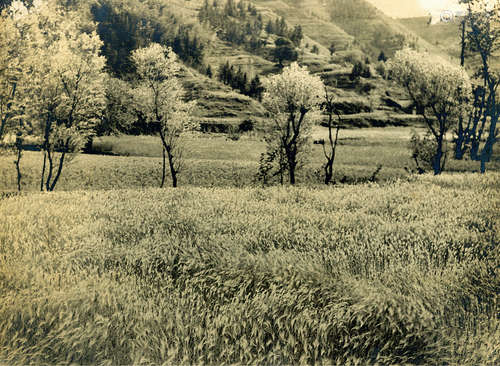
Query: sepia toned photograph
249	182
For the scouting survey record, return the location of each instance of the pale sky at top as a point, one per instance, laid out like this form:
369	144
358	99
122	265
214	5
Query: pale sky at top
438	5
414	8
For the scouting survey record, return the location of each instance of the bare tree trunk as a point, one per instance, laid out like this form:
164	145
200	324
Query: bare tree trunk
51	168
43	169
88	145
281	166
59	169
46	152
483	165
163	166
291	154
168	147
462	44
292	175
460	140
3	122
18	164
173	171
330	158
436	162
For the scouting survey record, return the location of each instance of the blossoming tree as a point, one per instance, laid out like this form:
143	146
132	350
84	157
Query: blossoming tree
60	83
159	96
438	90
292	99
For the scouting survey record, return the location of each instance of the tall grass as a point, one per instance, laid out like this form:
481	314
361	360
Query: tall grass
394	273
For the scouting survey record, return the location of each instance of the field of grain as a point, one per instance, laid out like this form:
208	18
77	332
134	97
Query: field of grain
401	273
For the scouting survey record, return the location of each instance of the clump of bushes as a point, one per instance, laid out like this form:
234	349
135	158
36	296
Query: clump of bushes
360	69
423	149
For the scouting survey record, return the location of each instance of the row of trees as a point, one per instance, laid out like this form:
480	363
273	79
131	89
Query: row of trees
124	26
54	88
242	24
444	94
448	98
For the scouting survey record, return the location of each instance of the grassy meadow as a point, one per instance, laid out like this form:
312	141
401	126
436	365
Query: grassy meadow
216	160
399	273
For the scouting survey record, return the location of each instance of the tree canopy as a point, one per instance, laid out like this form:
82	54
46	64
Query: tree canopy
438	89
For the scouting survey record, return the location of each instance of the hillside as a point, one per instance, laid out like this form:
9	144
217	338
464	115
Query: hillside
444	35
207	37
328	36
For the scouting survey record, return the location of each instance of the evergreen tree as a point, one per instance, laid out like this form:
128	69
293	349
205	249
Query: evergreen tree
297	35
256	89
382	57
270	27
332	49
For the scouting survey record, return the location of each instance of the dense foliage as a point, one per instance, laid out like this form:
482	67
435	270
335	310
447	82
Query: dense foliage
55	81
241	24
481	33
159	96
292	98
240	80
439	90
126	26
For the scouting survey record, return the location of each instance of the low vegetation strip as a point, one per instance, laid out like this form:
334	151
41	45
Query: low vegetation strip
395	273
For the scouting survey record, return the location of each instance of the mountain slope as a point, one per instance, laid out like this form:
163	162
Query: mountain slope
356	29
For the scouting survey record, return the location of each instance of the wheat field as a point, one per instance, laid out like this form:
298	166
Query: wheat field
396	273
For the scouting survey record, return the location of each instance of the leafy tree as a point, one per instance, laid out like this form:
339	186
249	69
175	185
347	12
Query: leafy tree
284	50
270	27
13	51
159	97
280	27
357	71
119	113
437	89
9	71
61	84
209	72
292	98
423	149
483	38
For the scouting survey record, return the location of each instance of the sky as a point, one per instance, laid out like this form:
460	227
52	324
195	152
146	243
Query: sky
414	8
439	5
